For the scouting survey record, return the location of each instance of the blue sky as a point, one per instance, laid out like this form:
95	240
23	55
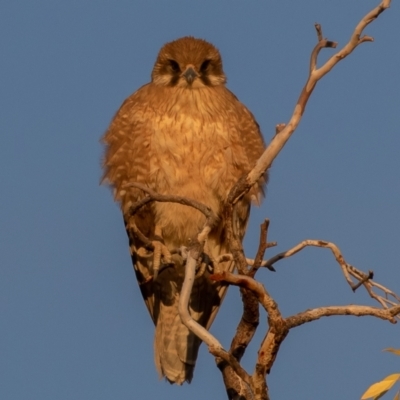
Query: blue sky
73	324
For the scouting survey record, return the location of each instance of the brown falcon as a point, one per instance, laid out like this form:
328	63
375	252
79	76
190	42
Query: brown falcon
185	134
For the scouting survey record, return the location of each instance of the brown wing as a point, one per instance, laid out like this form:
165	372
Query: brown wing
253	145
251	138
127	159
128	148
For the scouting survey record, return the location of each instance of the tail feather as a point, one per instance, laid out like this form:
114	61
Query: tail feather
175	351
175	347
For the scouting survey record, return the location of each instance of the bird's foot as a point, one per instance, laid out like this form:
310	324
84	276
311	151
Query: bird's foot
161	255
205	263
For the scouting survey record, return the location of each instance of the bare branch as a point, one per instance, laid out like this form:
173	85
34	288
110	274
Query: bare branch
280	139
214	346
269	349
263	245
355	310
196	328
232	361
277	332
316	243
370	285
365	279
212	218
236	388
348	270
322	43
387	292
256	287
247	325
277	326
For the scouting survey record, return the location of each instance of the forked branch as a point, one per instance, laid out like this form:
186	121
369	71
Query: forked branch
364	279
280	139
278	329
253	292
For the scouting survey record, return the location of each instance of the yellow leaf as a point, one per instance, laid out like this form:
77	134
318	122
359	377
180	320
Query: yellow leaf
397	397
392	350
383	386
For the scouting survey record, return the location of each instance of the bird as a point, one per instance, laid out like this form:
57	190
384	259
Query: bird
184	133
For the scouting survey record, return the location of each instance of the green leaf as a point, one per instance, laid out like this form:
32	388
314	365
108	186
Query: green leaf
379	388
392	350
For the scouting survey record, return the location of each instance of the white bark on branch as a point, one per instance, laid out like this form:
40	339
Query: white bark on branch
214	346
355	310
183	306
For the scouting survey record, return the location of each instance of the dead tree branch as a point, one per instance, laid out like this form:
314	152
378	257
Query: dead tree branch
262	247
355	310
364	279
278	328
280	138
196	328
254	286
237	380
316	243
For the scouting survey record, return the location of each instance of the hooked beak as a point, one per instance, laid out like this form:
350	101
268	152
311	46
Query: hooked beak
190	74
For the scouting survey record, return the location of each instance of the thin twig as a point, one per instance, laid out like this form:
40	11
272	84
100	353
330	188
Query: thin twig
262	246
315	243
322	43
212	218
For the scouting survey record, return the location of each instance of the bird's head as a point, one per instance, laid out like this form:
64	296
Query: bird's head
188	63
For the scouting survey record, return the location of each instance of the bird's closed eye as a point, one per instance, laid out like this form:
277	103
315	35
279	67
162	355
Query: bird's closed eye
174	66
204	66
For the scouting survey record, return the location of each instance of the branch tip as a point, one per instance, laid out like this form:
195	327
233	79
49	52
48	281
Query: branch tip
365	38
279	128
318	28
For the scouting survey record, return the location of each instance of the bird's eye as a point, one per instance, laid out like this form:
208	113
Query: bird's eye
205	65
174	66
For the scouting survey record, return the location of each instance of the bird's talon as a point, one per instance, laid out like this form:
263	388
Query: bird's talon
161	255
